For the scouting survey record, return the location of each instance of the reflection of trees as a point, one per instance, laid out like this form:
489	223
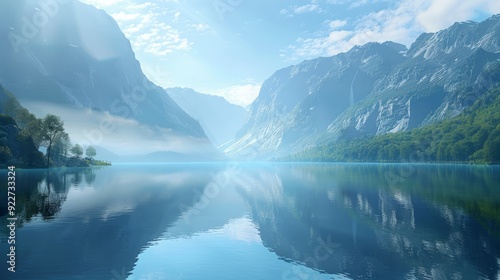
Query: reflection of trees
46	197
89	175
43	192
47	204
114	225
416	226
77	178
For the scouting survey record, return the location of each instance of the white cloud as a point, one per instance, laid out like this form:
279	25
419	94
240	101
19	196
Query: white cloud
441	14
242	95
159	39
177	15
121	16
338	2
401	23
102	3
359	3
141	6
200	27
306	8
352	3
144	25
334	24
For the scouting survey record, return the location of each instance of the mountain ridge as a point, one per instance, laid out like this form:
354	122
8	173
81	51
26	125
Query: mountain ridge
372	89
219	118
73	62
471	137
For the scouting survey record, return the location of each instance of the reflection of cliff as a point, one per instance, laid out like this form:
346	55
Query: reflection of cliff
105	222
351	220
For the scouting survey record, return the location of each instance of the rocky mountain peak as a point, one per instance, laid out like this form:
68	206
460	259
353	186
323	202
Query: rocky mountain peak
460	39
375	88
56	54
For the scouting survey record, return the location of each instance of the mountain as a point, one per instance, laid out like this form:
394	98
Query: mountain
74	56
472	136
220	119
373	89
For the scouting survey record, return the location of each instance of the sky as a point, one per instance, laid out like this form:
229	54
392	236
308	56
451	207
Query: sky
230	47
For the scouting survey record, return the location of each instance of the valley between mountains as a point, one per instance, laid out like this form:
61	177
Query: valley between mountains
382	101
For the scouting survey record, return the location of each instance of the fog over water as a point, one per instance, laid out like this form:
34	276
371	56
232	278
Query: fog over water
119	135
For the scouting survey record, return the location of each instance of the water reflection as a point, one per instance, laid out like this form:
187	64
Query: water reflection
41	192
363	222
89	224
269	221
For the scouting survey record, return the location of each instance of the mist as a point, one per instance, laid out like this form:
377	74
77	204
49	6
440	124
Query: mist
124	137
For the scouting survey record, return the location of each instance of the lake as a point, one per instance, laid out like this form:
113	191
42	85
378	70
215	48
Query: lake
255	221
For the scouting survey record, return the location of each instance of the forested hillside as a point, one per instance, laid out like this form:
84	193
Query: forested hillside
473	136
18	140
22	134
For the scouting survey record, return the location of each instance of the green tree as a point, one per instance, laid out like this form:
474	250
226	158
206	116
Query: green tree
61	147
77	150
5	154
32	127
90	152
392	152
52	129
491	147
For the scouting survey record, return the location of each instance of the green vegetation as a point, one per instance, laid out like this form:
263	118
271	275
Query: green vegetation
22	135
471	137
17	148
52	129
90	152
77	150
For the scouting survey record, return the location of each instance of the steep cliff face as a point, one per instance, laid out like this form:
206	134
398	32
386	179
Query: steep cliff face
302	100
443	73
372	89
72	54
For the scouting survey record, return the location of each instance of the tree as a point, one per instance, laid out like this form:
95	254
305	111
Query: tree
5	154
32	127
90	152
491	147
60	148
29	125
77	150
52	129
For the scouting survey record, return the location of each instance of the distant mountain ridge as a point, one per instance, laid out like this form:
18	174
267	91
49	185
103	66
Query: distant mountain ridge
372	89
219	118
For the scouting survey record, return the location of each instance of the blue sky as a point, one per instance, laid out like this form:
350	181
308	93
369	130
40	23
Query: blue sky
229	47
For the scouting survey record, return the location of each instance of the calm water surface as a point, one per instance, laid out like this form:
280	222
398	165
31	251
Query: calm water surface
256	221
